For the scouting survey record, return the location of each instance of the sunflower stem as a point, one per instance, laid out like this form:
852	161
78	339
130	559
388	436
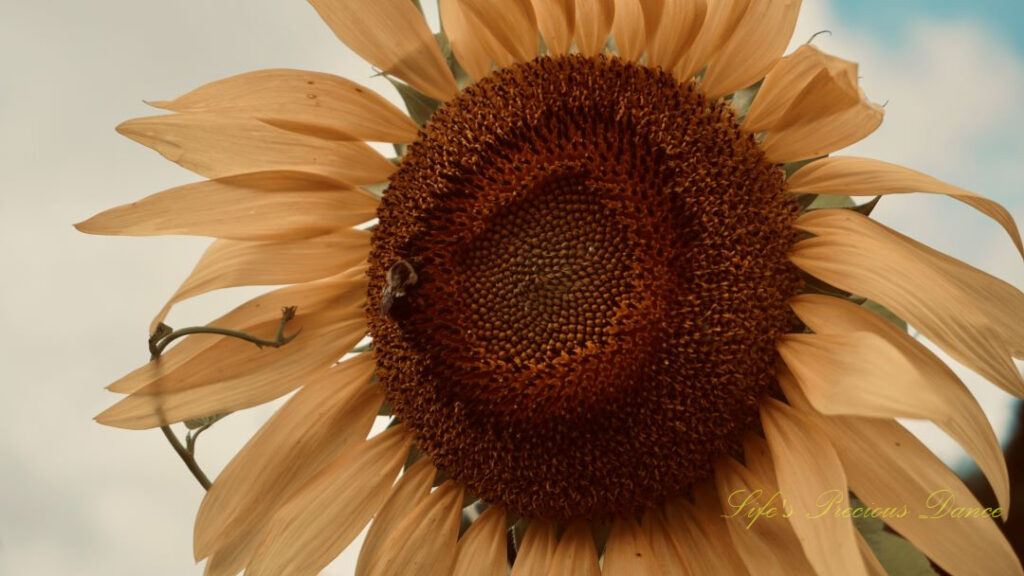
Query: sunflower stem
164	335
159	341
186	457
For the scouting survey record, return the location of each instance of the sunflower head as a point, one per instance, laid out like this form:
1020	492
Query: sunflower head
608	315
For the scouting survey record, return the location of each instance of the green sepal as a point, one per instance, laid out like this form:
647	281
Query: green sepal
197	423
790	168
420	106
885	313
742	99
897	556
827	201
461	76
377	190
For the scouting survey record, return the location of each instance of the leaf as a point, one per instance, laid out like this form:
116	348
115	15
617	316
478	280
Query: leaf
897	556
420	107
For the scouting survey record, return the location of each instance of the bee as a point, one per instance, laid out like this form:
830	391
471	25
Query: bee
400	277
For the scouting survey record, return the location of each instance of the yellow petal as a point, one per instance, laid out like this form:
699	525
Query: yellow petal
257	206
829	114
788	79
557	22
754	46
229	560
468	41
332	508
234	374
897	377
576	553
424	543
308	102
666	554
593	23
391	35
671	26
342	291
482	549
319	422
628	30
216	145
229	263
894	473
721	20
766	543
628	552
976	318
850	176
701	536
537	550
511	22
411	489
807	467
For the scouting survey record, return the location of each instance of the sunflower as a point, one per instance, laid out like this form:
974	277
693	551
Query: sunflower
612	311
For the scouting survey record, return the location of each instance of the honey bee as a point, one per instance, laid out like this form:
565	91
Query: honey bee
400	277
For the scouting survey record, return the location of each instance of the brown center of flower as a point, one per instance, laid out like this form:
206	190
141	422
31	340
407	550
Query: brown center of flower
576	284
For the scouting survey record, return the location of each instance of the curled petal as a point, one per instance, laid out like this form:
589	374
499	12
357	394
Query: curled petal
850	176
829	114
788	79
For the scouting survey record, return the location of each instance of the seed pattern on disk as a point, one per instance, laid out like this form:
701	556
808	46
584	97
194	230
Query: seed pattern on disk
577	279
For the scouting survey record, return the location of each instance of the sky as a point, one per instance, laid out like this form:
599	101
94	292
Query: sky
79	498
